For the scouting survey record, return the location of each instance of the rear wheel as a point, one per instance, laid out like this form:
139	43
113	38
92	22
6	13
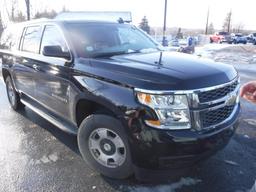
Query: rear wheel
104	145
13	96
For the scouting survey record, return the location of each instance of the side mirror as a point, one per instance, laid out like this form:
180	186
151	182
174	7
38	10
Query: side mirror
55	51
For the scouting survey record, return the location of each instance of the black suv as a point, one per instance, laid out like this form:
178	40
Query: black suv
133	106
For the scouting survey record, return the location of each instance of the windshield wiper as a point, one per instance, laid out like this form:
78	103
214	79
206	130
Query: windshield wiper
147	50
107	54
129	51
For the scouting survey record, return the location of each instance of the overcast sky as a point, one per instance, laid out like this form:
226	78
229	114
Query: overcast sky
181	13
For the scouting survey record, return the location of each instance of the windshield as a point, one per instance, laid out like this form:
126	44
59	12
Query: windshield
99	40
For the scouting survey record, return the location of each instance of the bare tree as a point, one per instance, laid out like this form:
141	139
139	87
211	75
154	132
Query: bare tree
1	25
15	16
19	17
64	9
227	22
45	14
13	9
238	28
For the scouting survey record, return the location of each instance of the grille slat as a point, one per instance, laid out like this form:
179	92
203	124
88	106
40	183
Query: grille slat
216	93
214	117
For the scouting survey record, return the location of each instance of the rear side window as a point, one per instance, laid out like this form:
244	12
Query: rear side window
31	39
53	37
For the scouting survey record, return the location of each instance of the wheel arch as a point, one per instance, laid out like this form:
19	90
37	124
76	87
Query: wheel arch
85	107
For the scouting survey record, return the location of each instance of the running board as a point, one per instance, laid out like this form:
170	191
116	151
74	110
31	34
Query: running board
62	125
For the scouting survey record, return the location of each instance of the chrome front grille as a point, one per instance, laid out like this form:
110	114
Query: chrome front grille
214	106
217	93
211	118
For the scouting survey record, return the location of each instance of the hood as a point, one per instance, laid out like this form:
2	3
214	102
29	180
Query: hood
159	71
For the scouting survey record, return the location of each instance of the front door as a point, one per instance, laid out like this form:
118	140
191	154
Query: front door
52	79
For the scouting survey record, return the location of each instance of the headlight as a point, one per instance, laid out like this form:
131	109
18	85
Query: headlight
172	110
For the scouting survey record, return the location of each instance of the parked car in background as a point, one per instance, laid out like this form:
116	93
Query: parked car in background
254	38
249	38
174	43
239	38
220	37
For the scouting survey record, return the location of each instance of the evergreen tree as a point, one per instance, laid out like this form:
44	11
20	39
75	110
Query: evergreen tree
211	28
144	25
179	34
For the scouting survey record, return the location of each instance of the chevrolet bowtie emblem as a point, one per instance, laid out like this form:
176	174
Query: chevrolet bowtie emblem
231	99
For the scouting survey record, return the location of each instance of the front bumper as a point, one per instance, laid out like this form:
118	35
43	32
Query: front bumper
161	150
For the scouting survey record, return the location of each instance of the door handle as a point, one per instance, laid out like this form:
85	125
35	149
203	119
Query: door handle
36	67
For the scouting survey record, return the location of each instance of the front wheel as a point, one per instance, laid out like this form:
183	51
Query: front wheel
13	96
103	143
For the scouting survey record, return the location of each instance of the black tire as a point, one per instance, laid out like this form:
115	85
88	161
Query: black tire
90	125
211	41
13	96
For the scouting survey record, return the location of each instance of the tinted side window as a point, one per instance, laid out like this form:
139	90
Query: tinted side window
31	39
53	37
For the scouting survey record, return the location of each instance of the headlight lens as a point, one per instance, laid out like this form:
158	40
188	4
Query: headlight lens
172	110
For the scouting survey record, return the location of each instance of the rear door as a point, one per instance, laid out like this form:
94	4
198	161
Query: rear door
52	76
24	69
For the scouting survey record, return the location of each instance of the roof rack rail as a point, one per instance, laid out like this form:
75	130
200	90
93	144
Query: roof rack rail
114	16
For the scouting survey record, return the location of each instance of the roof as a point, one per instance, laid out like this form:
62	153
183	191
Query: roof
83	17
109	16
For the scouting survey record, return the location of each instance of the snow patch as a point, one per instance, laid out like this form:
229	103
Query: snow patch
46	159
53	157
170	188
250	121
231	162
247	136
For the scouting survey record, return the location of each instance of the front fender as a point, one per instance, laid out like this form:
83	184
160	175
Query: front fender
119	99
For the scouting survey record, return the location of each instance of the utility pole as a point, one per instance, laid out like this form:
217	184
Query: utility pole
28	9
207	22
165	43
